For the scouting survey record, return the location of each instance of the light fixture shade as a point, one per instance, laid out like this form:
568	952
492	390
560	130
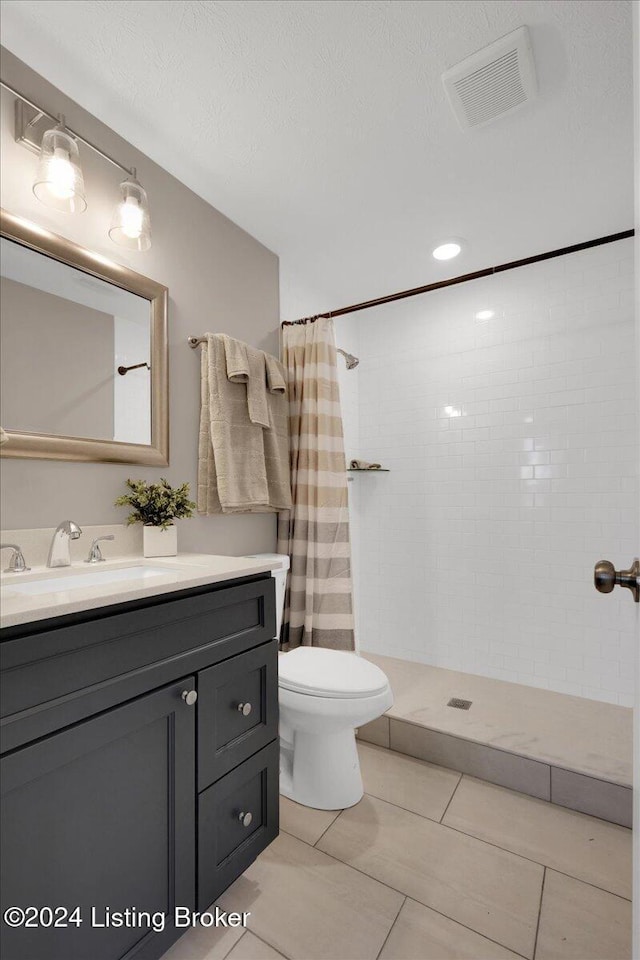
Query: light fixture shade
59	182
131	224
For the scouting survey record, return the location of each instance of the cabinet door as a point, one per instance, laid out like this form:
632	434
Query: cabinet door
102	815
237	711
238	818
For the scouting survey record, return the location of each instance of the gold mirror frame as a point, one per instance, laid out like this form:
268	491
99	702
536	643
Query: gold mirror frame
48	447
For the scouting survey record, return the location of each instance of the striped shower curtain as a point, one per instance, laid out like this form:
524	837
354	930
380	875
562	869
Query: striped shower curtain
315	532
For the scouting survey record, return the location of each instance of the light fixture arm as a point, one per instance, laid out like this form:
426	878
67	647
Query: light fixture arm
130	171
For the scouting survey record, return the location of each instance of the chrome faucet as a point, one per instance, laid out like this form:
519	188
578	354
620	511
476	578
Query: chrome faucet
59	552
95	553
16	562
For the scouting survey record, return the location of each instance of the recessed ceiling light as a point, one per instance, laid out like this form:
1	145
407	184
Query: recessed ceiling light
447	250
484	314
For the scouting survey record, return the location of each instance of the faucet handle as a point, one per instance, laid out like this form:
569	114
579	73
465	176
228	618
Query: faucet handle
17	562
95	553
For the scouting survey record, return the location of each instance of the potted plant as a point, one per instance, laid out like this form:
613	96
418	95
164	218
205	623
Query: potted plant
157	505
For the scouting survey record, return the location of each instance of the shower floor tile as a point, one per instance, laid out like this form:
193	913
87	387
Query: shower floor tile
384	882
572	733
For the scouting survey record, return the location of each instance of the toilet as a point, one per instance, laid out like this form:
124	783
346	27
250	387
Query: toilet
324	696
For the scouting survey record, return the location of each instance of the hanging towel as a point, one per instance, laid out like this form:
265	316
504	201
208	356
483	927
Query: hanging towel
276	439
242	467
276	375
246	365
237	361
231	466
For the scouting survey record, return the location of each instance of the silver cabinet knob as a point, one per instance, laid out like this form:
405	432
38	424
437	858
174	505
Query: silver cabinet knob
606	577
245	819
189	697
245	709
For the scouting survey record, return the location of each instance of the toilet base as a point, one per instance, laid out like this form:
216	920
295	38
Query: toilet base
325	773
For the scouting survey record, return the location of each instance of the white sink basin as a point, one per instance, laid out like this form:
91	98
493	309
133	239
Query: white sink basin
79	581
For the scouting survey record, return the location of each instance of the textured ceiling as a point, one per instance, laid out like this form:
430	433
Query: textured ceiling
322	127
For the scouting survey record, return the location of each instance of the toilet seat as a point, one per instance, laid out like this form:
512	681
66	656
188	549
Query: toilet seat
333	674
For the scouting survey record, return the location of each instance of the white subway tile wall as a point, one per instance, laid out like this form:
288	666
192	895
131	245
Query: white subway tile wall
513	448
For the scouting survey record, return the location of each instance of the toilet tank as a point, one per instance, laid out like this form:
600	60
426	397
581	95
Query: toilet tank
280	577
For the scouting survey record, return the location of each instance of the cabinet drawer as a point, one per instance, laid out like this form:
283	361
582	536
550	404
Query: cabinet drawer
237	819
227	733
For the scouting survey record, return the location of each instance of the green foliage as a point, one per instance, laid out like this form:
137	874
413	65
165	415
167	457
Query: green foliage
156	504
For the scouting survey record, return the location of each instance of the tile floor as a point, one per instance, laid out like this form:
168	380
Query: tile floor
430	865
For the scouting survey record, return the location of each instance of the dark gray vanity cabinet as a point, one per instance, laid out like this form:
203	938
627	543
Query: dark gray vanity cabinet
118	792
101	815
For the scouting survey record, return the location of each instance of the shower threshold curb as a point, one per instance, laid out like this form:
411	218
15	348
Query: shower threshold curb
576	790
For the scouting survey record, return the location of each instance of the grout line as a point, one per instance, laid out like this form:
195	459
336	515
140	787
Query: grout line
535	942
395	920
266	942
328	828
307	842
451	798
234	945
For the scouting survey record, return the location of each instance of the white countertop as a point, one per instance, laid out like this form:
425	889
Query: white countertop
184	571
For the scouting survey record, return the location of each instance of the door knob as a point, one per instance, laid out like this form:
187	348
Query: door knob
245	819
189	697
245	709
606	577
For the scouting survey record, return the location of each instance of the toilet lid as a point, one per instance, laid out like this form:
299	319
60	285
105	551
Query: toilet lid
329	673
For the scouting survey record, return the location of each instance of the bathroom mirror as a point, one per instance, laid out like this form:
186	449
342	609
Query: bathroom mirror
83	353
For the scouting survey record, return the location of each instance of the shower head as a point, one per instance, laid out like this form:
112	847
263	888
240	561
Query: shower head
350	359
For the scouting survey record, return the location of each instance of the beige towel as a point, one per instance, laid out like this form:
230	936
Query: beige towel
246	365
242	468
276	439
364	465
236	358
4	436
276	375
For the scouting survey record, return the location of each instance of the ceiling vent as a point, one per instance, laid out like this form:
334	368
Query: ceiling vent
493	82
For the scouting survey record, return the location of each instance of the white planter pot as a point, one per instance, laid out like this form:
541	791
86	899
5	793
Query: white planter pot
157	542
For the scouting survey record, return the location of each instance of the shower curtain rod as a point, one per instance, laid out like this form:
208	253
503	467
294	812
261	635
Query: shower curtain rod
476	275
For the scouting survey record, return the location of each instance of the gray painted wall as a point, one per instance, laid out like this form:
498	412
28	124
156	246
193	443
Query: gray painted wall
220	280
56	364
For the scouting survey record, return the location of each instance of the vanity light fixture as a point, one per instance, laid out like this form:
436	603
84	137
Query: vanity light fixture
447	250
131	225
59	182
